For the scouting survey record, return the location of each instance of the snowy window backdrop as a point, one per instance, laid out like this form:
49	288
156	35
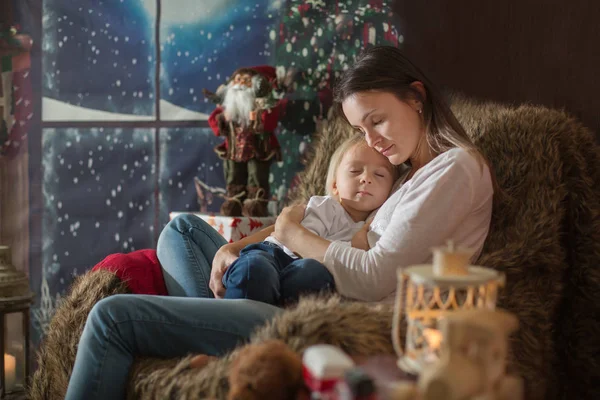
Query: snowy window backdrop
124	123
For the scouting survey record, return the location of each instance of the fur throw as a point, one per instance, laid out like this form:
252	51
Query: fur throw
357	328
545	235
56	355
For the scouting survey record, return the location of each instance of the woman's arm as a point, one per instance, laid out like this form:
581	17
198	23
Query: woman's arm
437	206
360	239
227	254
306	242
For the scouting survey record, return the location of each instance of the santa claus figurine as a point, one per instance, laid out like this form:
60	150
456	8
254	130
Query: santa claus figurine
246	116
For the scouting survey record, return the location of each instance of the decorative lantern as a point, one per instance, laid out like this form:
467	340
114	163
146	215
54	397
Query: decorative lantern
472	362
15	300
427	293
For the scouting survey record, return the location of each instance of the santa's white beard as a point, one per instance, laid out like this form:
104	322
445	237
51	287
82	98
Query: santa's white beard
238	103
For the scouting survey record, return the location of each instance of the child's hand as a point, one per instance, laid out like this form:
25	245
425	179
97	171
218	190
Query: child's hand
360	241
289	216
224	257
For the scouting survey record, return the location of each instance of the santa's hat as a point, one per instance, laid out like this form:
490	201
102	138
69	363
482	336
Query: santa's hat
267	71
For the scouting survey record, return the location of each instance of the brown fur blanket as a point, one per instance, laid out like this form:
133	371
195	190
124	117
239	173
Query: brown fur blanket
56	356
545	236
357	328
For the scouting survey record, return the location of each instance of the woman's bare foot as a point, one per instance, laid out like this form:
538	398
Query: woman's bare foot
201	360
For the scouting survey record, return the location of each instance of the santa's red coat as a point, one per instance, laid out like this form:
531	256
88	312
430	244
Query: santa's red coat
269	121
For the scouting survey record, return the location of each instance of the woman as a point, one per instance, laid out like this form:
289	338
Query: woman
445	193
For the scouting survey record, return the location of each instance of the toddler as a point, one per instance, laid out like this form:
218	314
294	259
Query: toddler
359	180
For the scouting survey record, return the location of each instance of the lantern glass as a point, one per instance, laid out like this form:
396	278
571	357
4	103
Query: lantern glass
424	298
14	351
15	301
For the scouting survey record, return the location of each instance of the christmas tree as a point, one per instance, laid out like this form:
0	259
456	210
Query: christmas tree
319	39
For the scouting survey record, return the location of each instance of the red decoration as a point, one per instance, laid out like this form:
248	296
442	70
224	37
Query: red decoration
140	269
281	33
303	8
254	224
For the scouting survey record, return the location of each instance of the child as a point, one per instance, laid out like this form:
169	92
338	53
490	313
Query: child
359	180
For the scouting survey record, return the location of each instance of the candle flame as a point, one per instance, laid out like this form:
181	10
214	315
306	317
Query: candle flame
10	363
433	338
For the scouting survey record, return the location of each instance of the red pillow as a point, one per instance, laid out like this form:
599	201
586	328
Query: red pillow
140	269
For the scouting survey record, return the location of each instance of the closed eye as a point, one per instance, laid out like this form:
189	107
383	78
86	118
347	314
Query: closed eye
375	123
358	129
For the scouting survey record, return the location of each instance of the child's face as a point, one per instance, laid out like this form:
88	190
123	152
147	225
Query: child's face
364	178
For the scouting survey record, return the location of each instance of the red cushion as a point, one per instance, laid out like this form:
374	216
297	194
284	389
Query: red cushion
140	269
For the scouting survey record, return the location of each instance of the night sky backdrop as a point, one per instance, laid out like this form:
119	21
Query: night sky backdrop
110	188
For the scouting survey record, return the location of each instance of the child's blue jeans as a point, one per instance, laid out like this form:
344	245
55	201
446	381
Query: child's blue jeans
264	272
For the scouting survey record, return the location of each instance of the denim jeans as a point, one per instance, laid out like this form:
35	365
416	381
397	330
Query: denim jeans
121	327
264	272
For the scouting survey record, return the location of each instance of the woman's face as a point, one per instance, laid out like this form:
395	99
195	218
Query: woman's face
391	126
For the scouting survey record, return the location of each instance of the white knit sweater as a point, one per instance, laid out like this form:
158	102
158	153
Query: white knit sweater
449	198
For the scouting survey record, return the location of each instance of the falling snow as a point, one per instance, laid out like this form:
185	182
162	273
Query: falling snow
107	190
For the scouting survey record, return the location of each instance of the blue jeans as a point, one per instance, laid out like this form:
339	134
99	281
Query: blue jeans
264	272
124	326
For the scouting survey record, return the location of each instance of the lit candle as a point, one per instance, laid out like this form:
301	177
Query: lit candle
433	337
10	369
451	260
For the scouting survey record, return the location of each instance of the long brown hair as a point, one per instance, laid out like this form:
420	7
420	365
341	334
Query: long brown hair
386	69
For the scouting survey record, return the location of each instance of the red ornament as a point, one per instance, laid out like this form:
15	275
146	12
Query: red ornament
376	4
303	8
281	33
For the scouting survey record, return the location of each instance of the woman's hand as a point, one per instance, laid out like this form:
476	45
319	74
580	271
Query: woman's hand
224	257
360	240
289	216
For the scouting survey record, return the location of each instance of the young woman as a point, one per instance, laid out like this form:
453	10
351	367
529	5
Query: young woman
445	194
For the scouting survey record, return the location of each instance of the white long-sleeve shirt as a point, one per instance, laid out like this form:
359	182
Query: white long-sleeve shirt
325	217
448	198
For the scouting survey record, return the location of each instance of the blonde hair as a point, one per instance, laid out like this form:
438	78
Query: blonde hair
338	155
336	159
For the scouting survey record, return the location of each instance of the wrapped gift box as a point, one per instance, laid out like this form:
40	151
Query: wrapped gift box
233	228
